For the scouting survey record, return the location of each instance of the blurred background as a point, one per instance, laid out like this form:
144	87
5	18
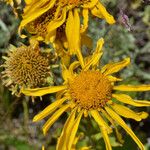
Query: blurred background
130	36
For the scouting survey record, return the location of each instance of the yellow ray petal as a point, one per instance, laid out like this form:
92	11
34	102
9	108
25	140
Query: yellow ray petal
95	114
96	55
43	148
86	148
36	10
119	120
50	37
69	28
128	113
113	79
66	73
73	66
106	138
54	117
132	88
59	45
86	40
115	67
28	2
118	134
128	100
49	109
85	13
43	91
100	11
60	94
54	24
77	38
62	141
90	4
36	6
73	34
73	131
73	31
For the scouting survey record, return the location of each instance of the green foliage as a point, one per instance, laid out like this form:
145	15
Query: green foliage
16	143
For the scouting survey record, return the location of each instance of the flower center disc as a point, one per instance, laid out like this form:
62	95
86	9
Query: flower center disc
90	90
27	66
74	1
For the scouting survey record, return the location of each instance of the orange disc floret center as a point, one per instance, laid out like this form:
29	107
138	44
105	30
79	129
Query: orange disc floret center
90	90
74	1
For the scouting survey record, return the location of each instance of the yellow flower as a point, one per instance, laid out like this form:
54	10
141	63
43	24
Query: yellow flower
73	147
26	66
45	19
90	91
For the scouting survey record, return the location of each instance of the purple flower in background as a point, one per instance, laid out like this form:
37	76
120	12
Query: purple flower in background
125	20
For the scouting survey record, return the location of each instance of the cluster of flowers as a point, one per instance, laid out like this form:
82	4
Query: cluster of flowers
88	89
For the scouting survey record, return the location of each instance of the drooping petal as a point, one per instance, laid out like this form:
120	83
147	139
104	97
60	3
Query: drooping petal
73	31
100	11
128	113
54	24
132	88
35	5
118	134
66	73
96	55
95	114
69	28
128	100
58	45
106	138
36	9
73	131
119	120
54	117
50	36
43	91
86	40
62	141
90	4
85	13
73	34
73	66
115	67
49	109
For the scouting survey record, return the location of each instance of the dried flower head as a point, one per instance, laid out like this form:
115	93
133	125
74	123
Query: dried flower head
25	66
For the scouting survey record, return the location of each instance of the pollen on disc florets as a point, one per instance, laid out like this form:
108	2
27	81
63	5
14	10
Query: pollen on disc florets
90	90
40	24
25	66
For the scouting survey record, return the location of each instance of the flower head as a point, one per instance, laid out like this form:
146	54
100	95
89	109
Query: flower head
45	19
90	91
25	66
